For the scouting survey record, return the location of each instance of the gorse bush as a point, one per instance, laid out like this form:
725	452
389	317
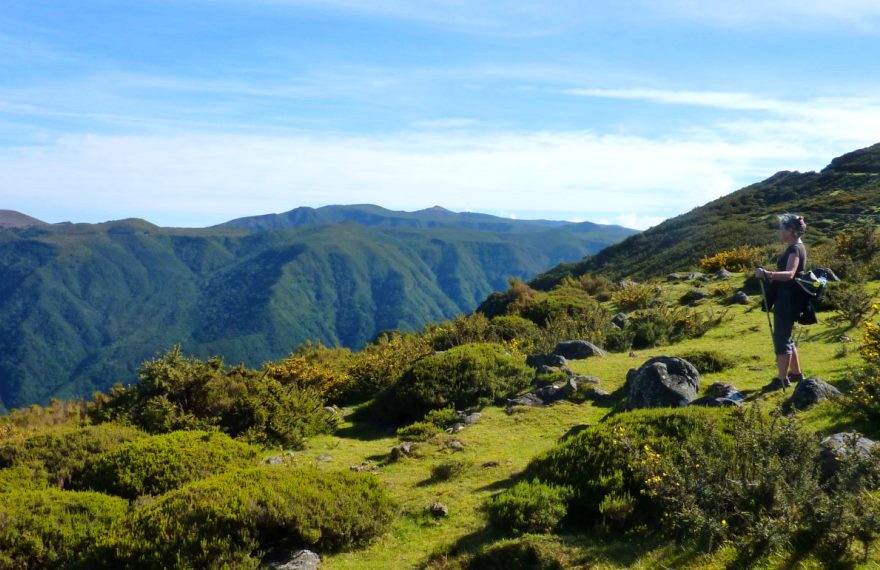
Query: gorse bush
382	362
62	453
529	507
53	528
156	464
229	520
599	466
634	296
465	329
870	348
316	366
509	328
761	487
740	258
471	375
179	393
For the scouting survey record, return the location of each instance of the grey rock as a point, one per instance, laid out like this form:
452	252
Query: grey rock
723	274
544	370
529	399
331	410
710	402
402	449
726	391
471	419
839	446
299	560
695	275
584	379
662	382
740	298
489	464
275	460
569	389
674	277
455	445
811	391
457	427
555	360
323	458
694	295
620	320
577	349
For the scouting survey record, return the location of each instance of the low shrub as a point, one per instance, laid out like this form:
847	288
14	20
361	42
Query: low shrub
529	507
851	301
179	393
61	454
471	375
382	362
598	464
315	366
23	477
450	469
157	464
708	361
465	329
740	258
511	301
53	528
667	325
523	552
434	423
761	488
633	296
229	520
509	328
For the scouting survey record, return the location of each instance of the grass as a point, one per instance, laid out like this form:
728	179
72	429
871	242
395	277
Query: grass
513	440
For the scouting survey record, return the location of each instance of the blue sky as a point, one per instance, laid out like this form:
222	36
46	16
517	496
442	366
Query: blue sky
192	112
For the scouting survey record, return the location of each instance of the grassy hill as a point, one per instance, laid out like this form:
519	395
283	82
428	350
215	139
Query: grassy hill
82	305
846	194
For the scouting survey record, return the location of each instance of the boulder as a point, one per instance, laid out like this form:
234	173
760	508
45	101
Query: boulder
620	320
299	560
583	379
811	391
577	349
554	360
723	274
740	298
662	382
471	419
529	399
694	295
438	509
838	446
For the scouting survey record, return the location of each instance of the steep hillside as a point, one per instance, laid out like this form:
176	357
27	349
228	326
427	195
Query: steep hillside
81	306
845	194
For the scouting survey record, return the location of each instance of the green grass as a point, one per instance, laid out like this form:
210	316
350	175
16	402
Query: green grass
512	440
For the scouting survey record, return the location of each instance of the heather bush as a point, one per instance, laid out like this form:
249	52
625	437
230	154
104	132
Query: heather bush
529	507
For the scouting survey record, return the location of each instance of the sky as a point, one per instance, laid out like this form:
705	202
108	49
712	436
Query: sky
193	112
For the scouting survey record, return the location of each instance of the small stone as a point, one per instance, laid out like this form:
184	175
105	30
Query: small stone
584	379
438	509
299	560
839	446
740	298
471	419
275	460
323	458
489	464
577	349
529	399
455	445
402	449
694	295
723	274
674	277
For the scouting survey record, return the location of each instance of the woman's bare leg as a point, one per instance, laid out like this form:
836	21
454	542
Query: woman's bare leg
783	361
795	365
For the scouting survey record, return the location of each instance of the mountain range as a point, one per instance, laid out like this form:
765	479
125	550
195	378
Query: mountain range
82	305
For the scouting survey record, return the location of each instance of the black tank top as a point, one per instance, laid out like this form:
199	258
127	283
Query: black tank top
801	251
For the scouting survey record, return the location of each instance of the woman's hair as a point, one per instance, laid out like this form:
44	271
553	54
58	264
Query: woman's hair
793	223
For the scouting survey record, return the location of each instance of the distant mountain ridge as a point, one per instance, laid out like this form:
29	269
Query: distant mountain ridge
13	219
82	305
845	194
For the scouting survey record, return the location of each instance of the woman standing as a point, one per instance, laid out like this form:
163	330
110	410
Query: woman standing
789	265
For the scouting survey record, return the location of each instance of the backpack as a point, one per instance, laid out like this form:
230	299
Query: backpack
811	287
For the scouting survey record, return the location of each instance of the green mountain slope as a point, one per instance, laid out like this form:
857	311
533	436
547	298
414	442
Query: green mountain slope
81	306
846	194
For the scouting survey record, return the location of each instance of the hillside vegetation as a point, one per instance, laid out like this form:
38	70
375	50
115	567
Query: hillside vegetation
82	305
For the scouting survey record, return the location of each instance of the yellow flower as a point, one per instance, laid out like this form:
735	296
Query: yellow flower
723	522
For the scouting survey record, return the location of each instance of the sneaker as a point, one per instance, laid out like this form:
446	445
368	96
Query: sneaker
795	377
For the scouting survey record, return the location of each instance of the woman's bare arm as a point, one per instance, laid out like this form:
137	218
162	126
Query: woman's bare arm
790	269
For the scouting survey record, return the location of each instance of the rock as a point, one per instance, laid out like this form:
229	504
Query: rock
323	458
620	320
365	466
726	391
456	427
695	275
583	379
438	509
662	381
275	460
569	389
740	298
402	449
593	393
694	295
455	445
547	370
674	277
529	399
723	274
577	349
549	394
490	464
471	419
710	402
812	391
555	360
841	445
299	560
331	410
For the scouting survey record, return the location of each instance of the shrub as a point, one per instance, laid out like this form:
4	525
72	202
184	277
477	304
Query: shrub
382	362
634	296
63	453
176	392
863	398
418	431
517	296
740	258
870	348
36	418
450	469
707	361
470	375
316	366
515	328
23	477
529	506
598	464
722	290
229	519
465	329
53	528
667	325
156	464
598	286
762	488
523	552
567	301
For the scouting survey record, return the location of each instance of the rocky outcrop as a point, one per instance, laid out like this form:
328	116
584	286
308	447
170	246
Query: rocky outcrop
662	382
811	391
